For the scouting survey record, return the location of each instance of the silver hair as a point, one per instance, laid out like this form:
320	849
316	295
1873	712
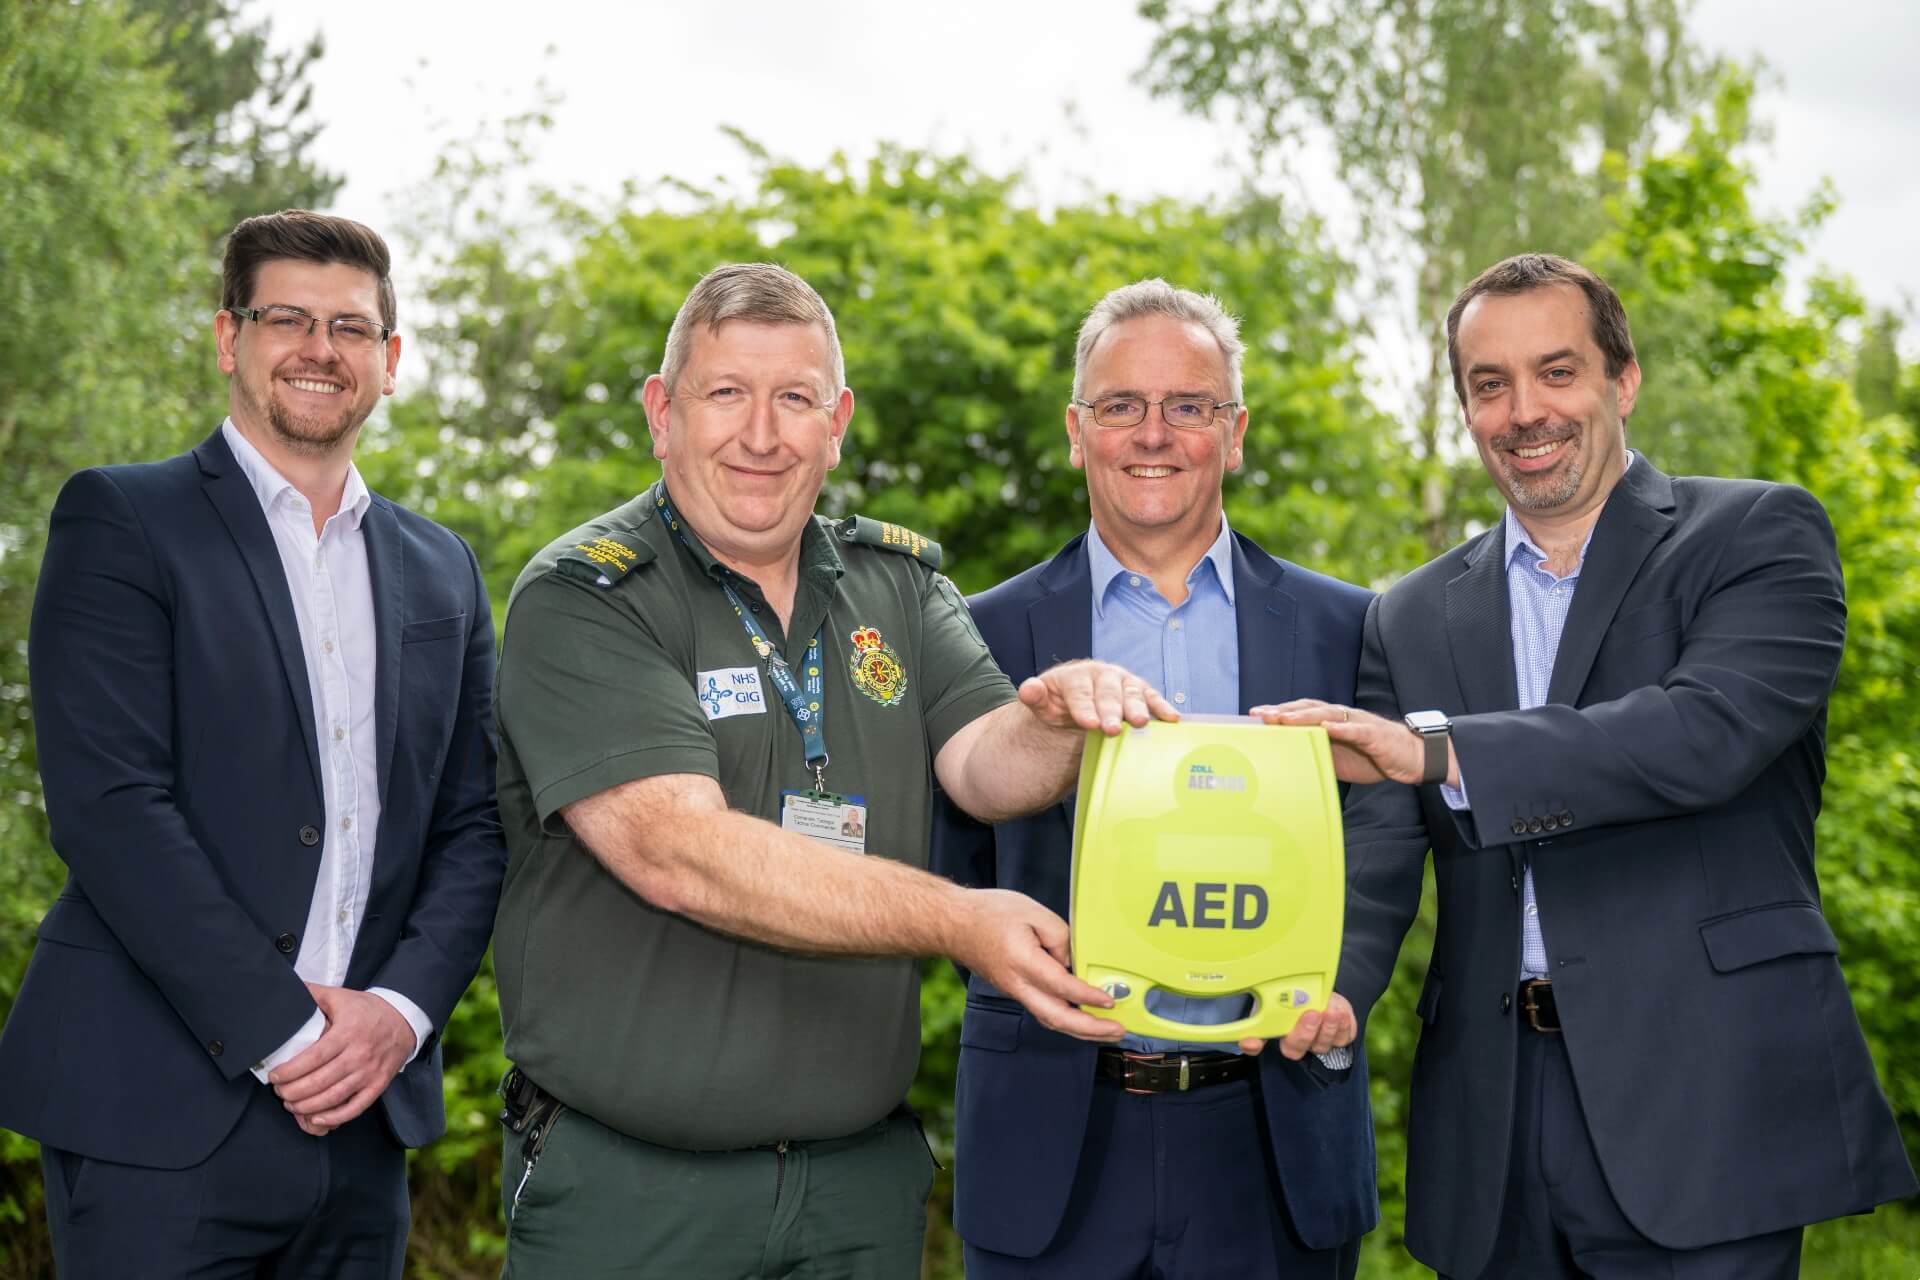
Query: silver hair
758	292
1155	297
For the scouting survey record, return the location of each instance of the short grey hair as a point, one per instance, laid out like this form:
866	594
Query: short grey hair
758	292
1155	297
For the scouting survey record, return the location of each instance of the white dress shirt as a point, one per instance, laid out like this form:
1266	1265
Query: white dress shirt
332	592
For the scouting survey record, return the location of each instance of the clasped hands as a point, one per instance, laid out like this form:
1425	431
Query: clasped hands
339	1075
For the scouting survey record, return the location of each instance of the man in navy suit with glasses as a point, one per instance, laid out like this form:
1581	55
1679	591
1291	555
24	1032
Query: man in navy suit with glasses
1188	1158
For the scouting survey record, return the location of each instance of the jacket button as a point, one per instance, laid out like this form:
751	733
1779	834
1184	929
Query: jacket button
285	942
216	1047
1551	822
1566	817
1534	825
1506	1001
309	835
1518	826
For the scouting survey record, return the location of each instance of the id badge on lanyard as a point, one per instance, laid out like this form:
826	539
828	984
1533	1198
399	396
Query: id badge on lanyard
815	812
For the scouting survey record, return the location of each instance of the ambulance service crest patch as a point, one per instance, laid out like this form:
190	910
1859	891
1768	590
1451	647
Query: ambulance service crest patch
876	668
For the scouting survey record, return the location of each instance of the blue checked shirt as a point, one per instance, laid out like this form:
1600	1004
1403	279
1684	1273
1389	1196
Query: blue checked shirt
1539	603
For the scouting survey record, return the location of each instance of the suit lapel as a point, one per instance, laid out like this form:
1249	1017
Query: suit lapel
233	497
1480	628
385	569
1061	620
1637	516
1267	621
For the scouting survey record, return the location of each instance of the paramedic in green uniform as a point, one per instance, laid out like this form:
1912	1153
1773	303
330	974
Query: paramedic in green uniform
706	973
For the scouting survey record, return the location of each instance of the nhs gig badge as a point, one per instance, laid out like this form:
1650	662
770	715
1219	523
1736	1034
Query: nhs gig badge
730	691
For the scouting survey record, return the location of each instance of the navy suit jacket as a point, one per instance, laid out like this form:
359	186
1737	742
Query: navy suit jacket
1665	798
176	747
1023	1091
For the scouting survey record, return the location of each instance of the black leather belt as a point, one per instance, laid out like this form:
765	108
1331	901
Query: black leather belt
1171	1072
1538	1012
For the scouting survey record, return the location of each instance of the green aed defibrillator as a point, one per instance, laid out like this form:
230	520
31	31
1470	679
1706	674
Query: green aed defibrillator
1208	861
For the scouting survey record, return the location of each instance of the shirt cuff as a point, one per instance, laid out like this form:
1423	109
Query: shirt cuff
421	1024
306	1035
1339	1059
1456	797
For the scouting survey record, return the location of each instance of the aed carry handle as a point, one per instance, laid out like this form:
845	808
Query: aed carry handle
1295	995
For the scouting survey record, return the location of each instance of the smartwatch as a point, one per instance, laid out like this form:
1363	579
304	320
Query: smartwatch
1435	730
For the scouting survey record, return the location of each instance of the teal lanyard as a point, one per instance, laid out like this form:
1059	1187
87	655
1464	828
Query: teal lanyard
807	707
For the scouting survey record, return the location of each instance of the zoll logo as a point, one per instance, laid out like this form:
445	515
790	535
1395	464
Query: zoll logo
1201	777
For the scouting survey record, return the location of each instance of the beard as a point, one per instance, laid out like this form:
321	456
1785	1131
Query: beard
314	436
1542	491
307	435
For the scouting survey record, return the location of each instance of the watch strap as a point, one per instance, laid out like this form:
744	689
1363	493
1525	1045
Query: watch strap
1436	741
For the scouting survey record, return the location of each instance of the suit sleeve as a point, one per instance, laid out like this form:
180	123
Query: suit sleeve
100	652
1386	846
465	855
1756	664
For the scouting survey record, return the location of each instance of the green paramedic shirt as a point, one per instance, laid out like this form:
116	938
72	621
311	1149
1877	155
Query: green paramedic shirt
618	648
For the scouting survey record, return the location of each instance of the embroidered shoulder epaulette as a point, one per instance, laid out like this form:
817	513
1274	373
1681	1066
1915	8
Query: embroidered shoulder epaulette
894	537
605	558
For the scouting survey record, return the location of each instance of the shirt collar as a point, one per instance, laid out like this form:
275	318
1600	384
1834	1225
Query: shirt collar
1518	541
1105	568
819	557
269	486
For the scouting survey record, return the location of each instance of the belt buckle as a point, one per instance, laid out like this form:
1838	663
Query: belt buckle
1153	1059
1532	1009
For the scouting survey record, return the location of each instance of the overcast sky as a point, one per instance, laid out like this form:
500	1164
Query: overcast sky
1052	85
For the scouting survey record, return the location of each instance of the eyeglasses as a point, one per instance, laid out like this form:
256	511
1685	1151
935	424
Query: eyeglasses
348	333
1184	413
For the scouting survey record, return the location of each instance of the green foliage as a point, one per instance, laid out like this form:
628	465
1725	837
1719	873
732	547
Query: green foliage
957	305
239	109
1464	131
99	360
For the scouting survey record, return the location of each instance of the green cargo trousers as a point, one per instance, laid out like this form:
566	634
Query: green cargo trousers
600	1204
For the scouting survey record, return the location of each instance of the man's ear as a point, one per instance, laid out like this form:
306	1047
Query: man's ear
226	338
1237	440
837	427
654	396
393	362
1075	455
1626	388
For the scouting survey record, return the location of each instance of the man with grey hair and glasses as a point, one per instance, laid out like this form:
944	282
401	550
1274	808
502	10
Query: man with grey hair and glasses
1187	1158
721	717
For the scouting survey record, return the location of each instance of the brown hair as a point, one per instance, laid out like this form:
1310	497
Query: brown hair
757	292
1525	272
303	236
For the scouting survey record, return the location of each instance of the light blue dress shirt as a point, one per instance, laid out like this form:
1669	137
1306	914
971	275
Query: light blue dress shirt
1539	602
1191	653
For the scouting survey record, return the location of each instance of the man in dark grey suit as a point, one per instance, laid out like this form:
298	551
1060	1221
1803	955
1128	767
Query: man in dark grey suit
1606	716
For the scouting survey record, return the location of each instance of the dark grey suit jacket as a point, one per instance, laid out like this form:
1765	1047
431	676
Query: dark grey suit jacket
1665	797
